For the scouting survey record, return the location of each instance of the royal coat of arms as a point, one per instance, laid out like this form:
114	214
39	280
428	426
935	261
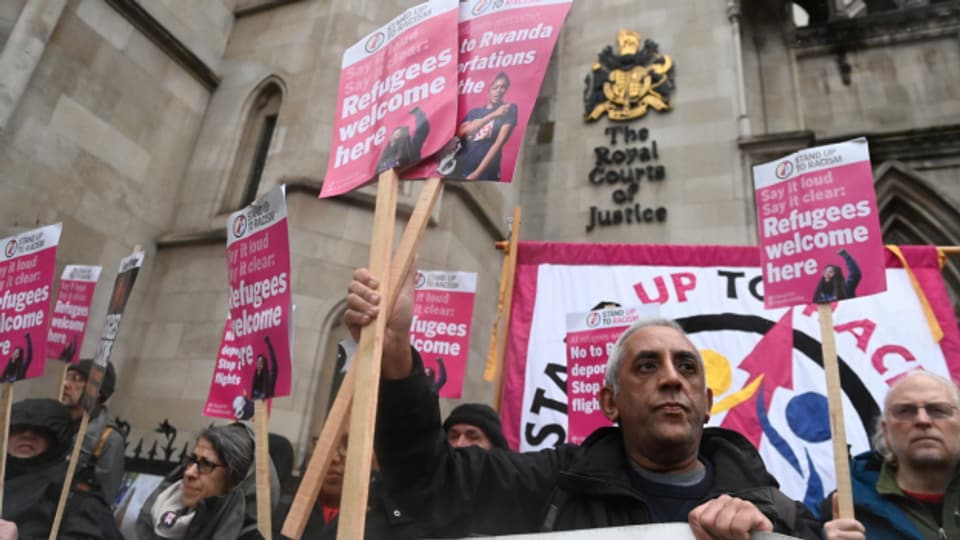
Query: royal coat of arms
624	85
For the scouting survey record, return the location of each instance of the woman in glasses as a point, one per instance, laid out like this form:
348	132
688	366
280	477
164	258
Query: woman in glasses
211	495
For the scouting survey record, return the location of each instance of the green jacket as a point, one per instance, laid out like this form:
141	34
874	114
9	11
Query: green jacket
920	515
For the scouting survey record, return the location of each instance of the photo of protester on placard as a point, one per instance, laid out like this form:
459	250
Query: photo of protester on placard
483	132
403	149
264	376
18	363
832	286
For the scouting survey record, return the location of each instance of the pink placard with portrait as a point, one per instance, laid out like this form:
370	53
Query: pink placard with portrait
819	229
440	329
397	99
504	49
27	265
260	301
71	311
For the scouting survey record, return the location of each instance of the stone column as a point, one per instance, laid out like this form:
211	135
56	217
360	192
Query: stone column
23	50
743	119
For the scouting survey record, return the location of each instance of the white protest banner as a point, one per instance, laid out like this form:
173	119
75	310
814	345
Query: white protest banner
764	366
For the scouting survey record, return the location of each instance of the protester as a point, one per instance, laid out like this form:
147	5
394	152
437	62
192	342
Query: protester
474	424
909	486
212	495
659	465
101	456
37	453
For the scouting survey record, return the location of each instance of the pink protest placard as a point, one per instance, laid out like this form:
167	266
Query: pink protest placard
504	51
26	277
229	395
819	228
397	100
71	311
258	271
590	338
440	329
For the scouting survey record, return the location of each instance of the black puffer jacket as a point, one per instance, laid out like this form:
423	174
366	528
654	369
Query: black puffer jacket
457	492
31	489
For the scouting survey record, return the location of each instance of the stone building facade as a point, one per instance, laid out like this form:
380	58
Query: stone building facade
146	122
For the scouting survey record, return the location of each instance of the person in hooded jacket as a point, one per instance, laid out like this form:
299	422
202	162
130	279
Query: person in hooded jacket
37	452
212	495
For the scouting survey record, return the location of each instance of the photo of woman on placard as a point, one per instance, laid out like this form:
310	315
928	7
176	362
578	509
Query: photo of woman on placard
832	286
403	149
19	363
483	132
264	377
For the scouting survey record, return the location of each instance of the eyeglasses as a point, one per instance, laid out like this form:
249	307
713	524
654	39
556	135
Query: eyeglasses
203	466
938	410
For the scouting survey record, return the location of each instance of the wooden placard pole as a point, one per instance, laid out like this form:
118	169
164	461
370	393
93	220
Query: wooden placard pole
510	266
261	422
6	400
68	480
356	478
63	381
838	432
75	455
335	424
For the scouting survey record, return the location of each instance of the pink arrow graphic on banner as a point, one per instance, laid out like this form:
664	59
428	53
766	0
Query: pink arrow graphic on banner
770	362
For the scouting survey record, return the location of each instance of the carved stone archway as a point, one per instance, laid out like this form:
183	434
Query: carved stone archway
914	211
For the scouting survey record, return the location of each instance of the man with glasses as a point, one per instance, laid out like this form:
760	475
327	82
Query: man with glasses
101	457
909	487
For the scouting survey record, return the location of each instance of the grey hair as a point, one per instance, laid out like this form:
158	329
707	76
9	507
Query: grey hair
611	377
877	440
233	444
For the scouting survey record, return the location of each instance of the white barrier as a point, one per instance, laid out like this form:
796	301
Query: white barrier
662	531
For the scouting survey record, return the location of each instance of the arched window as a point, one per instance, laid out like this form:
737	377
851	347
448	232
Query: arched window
913	211
251	156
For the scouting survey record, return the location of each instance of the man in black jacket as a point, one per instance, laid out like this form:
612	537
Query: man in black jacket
659	465
36	466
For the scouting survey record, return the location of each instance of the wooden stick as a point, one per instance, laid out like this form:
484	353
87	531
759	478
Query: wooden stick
831	370
333	428
71	470
511	264
6	400
261	423
356	478
63	381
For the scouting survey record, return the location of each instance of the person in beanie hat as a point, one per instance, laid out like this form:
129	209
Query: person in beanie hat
37	452
101	458
474	424
212	494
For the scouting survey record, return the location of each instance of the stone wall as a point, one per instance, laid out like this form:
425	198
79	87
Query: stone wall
703	190
99	141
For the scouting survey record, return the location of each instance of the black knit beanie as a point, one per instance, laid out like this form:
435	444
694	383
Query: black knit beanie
481	416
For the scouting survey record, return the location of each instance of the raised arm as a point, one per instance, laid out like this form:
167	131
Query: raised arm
418	465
